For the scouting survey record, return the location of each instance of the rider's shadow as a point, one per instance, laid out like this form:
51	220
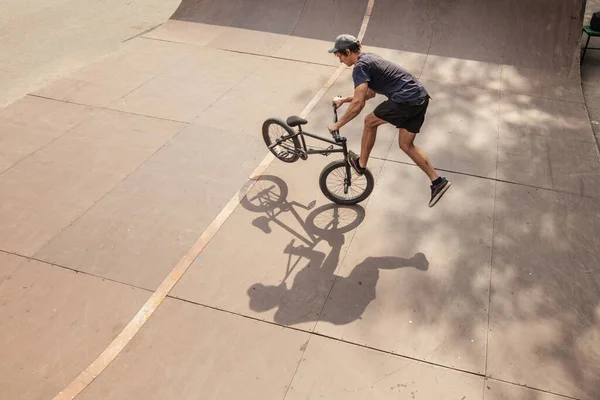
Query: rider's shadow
305	297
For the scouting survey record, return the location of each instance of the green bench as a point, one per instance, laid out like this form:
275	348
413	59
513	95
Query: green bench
590	32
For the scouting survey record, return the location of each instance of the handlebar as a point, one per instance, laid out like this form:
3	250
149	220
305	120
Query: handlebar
336	134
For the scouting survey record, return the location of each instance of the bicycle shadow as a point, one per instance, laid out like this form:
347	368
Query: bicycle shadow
305	299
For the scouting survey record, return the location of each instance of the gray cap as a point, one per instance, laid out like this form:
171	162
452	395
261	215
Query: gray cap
343	42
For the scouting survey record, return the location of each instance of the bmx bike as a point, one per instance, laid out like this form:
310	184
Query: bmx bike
338	181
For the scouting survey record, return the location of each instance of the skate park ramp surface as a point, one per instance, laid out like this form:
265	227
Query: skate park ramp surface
491	294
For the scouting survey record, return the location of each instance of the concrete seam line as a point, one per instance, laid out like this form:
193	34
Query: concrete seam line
85	378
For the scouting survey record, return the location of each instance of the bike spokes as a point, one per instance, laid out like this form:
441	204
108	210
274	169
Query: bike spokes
341	187
281	140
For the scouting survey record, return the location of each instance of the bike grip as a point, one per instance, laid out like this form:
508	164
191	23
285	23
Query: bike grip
335	134
335	107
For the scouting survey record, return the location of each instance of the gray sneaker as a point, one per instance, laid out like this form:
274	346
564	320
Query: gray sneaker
353	160
438	191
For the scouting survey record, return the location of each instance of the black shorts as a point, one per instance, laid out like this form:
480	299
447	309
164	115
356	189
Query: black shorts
403	115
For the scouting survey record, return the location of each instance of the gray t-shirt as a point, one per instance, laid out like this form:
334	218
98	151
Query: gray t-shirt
387	78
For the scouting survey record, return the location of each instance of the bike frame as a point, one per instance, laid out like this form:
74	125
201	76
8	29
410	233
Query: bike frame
325	152
338	141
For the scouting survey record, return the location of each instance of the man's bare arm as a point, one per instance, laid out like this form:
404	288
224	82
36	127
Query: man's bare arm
357	103
338	101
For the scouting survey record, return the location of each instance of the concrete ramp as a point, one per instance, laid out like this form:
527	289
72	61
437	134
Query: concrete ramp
272	16
529	47
306	18
117	170
290	29
533	34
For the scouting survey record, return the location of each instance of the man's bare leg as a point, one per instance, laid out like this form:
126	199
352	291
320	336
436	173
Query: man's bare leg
406	141
439	185
368	137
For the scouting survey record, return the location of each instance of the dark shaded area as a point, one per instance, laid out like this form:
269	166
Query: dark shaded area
495	31
551	27
405	25
501	32
305	18
326	19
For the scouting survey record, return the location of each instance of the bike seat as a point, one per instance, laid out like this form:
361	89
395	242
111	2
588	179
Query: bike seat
295	121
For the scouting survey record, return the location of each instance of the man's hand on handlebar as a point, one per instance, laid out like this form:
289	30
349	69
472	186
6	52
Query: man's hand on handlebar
339	100
336	102
333	128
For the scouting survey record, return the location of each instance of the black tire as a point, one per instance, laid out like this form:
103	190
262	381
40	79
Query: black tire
361	188
277	126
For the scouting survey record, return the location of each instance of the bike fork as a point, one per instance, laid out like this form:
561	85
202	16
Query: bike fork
348	180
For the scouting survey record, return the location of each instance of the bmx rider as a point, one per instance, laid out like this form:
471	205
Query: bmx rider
405	107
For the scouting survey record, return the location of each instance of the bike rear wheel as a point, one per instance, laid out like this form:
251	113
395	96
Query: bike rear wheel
287	150
334	184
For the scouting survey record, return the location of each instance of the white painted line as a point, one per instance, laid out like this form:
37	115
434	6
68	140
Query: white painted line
114	349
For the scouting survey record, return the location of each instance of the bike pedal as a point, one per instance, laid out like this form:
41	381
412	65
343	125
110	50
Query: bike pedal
329	148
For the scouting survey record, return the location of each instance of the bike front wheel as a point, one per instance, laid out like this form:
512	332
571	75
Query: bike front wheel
280	140
336	186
